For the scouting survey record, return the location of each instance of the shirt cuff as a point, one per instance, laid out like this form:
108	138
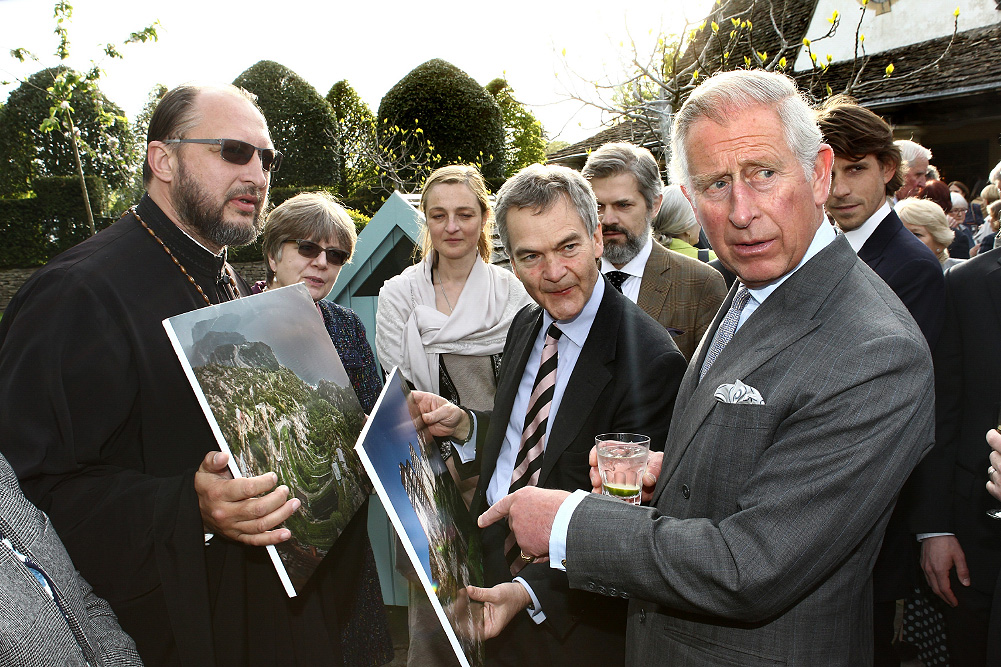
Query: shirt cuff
924	536
467	450
561	525
535	609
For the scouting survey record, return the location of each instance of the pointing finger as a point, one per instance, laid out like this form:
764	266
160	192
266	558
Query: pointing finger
495	512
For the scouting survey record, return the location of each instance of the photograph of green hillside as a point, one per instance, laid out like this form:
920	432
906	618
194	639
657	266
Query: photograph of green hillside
273	389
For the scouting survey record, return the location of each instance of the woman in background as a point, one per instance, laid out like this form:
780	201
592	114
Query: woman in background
443	322
307	240
675	226
926	220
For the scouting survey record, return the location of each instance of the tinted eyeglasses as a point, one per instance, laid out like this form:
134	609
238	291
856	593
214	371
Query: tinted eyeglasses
310	250
238	152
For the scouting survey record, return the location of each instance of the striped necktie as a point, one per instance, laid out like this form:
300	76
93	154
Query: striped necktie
528	463
727	328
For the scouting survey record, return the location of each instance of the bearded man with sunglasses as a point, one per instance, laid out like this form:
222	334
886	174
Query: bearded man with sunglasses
105	434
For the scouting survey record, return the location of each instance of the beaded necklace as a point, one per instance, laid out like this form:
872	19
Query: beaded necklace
232	283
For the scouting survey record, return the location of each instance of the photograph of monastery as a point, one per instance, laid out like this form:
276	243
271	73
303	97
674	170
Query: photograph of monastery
278	400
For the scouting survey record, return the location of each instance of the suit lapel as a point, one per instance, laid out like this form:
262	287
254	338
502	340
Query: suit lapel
655	285
874	249
590	377
785	317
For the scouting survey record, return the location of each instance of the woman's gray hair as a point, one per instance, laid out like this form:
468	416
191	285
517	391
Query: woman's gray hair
539	187
727	92
676	214
621	158
314	216
926	213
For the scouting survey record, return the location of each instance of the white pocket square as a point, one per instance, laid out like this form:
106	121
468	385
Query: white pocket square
738	393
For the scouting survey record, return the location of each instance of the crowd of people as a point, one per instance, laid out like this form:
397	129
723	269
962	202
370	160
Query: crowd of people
801	323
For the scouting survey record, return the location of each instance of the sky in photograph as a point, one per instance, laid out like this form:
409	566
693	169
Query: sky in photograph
372	45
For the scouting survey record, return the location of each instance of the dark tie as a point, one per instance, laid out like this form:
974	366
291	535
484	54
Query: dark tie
617	278
726	329
528	463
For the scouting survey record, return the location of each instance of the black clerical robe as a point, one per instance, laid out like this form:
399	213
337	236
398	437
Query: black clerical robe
105	434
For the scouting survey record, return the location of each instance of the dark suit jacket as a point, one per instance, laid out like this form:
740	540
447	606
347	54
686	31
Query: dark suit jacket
767	518
911	270
681	293
625	380
915	275
33	630
950	481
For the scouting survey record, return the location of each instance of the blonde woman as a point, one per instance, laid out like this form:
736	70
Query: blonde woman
444	322
927	221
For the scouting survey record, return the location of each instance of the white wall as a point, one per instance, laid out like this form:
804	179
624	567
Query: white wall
907	22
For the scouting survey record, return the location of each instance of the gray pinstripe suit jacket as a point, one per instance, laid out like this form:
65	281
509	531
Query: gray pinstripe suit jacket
759	546
33	631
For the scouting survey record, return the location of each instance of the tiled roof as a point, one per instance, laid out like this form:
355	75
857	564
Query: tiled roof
628	130
971	65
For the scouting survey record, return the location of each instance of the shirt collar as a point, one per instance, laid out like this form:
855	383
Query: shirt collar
576	329
635	266
824	236
858	237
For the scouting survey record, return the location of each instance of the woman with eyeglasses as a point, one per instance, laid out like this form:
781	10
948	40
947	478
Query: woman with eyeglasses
306	240
444	322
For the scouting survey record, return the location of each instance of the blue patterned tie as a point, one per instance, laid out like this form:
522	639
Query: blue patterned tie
727	328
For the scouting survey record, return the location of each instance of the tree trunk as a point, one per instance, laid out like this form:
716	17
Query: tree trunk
83	182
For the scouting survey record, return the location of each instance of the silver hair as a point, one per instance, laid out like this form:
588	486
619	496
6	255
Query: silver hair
909	152
676	213
912	150
622	158
539	187
958	201
727	92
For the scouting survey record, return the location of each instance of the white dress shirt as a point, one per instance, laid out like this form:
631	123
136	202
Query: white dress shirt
858	237
634	267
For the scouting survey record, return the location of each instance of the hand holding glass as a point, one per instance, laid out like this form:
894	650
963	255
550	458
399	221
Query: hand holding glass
622	459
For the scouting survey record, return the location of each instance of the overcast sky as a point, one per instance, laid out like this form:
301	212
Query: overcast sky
372	45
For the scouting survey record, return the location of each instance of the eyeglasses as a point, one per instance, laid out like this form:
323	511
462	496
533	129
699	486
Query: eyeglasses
238	152
310	250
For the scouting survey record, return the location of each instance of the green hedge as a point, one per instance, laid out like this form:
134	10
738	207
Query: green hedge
278	196
38	228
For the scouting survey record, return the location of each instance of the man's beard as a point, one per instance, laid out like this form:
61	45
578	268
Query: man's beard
195	208
621	253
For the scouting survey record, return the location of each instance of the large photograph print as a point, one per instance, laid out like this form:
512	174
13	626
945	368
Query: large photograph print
278	400
427	510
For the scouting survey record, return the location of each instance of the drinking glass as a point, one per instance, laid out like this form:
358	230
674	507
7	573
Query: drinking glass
622	459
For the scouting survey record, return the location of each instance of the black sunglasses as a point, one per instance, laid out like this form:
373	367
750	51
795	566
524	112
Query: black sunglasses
310	250
238	152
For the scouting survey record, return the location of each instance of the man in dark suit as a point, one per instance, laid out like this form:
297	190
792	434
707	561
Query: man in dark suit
803	411
867	170
616	370
961	557
680	292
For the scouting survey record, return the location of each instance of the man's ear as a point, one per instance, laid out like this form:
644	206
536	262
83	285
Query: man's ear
162	161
